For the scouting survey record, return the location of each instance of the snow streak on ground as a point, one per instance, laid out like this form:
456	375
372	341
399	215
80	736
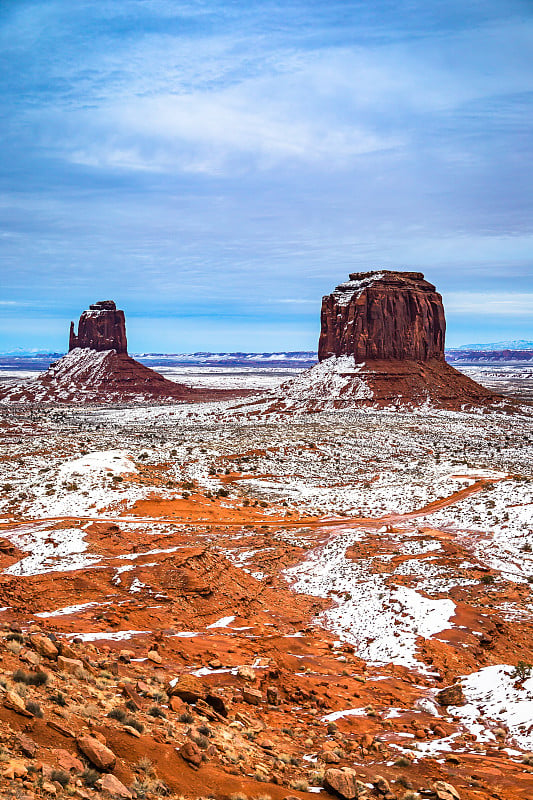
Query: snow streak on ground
51	550
496	696
382	620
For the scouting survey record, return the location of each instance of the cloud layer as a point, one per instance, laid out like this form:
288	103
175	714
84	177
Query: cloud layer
221	166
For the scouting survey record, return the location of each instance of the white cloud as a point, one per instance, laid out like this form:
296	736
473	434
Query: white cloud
505	304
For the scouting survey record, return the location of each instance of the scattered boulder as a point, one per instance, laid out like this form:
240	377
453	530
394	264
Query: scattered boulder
445	791
44	646
252	696
27	745
342	782
451	696
15	702
188	688
98	754
67	761
14	768
108	783
69	665
191	753
246	673
154	656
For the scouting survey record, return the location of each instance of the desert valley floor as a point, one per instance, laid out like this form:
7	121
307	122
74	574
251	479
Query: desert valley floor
240	603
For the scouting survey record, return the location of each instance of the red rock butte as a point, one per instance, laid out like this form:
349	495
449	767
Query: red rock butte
98	369
102	327
383	315
382	345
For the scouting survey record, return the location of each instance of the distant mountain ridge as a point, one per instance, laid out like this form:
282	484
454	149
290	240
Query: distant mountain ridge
515	344
498	352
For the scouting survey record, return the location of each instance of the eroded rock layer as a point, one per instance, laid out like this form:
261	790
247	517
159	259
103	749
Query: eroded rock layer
383	315
100	328
382	345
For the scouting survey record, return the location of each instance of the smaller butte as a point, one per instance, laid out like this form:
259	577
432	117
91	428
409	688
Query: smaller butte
98	369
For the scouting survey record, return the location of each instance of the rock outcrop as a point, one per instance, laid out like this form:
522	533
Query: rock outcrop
100	328
98	369
382	345
383	315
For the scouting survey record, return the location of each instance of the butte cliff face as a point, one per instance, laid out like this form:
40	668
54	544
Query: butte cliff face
98	369
100	328
382	345
383	315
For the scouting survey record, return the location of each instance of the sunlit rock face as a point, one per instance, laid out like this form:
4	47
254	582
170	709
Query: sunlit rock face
382	345
100	328
383	315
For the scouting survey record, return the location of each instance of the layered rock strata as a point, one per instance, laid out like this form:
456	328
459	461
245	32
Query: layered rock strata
383	315
382	344
100	328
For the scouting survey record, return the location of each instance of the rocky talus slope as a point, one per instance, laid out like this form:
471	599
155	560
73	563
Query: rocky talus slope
198	604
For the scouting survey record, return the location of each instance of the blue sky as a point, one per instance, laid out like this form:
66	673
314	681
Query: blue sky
216	167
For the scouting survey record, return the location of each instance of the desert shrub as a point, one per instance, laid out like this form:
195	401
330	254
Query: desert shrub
89	776
131	722
487	579
34	708
147	787
300	785
402	762
205	730
15	637
522	671
201	741
59	699
156	711
39	678
144	765
60	776
117	713
131	705
186	717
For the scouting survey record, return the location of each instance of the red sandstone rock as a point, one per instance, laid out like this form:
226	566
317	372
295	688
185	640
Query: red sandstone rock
451	696
15	702
191	753
383	315
252	696
98	754
188	688
342	782
102	327
382	345
108	783
98	369
44	646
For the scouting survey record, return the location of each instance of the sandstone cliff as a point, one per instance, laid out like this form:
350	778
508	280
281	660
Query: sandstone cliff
382	345
383	315
98	369
102	327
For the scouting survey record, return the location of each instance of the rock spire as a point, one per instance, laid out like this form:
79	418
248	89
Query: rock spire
100	328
